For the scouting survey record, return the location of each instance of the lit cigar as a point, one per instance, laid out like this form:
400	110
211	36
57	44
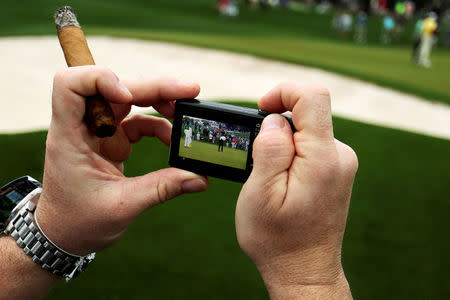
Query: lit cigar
99	115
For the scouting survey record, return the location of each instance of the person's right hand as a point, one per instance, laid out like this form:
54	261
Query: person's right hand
291	213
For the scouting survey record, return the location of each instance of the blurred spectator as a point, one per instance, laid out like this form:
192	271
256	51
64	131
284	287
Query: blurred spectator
429	28
410	8
347	23
251	3
400	8
284	3
351	5
342	23
382	5
400	17
446	28
273	3
388	29
417	37
301	6
447	37
379	7
227	8
361	27
265	3
323	7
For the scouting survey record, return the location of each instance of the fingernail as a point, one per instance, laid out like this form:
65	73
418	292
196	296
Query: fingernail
194	186
273	121
124	89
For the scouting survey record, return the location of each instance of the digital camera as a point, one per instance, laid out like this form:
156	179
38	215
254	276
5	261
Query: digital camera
215	139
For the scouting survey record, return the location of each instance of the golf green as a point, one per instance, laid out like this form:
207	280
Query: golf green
209	153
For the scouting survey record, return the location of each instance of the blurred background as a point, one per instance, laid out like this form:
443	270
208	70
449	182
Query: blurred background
396	244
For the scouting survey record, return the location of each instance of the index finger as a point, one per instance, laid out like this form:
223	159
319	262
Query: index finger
310	106
71	87
161	93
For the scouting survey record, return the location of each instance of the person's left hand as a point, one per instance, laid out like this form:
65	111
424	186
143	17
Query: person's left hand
87	203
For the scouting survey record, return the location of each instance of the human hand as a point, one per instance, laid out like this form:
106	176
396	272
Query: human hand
87	203
291	213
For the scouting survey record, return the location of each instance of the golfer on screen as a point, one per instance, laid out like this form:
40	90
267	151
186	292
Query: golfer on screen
188	137
221	142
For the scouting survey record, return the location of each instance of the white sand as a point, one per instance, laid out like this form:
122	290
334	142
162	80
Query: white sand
28	66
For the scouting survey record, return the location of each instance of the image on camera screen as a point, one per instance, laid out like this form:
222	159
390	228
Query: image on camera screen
214	142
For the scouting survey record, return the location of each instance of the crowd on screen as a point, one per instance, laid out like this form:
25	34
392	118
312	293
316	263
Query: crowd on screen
232	136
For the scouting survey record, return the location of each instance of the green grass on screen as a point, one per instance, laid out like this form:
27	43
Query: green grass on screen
209	152
395	246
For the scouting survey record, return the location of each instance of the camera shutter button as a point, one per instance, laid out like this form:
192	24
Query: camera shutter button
263	113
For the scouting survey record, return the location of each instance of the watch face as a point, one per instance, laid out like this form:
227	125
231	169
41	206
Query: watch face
11	195
9	198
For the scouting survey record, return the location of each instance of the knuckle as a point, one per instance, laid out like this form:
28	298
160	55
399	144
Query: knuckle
351	160
163	122
323	161
150	120
163	84
138	117
51	147
104	71
315	89
317	98
272	145
163	191
348	159
273	151
59	77
320	90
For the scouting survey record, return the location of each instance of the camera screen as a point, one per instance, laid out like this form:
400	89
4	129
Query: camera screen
214	142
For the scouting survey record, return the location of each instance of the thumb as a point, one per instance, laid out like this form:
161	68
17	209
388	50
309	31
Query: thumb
273	148
159	186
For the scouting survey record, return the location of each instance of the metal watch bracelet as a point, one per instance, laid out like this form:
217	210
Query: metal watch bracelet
25	230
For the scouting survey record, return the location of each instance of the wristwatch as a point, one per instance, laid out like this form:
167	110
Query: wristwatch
18	201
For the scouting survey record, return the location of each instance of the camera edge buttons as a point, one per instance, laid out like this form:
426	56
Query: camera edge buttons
263	113
257	129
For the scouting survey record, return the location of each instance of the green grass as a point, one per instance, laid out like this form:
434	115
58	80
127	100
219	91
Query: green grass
301	38
208	152
395	246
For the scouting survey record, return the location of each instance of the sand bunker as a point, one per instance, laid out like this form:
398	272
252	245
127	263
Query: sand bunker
28	65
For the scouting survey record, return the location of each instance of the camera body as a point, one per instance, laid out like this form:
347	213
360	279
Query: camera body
215	139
